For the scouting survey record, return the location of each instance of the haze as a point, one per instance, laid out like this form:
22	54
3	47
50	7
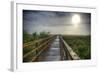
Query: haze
56	22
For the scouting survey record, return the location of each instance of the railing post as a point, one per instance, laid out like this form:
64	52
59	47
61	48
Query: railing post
36	45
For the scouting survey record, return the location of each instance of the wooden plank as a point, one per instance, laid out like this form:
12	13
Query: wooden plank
70	51
36	48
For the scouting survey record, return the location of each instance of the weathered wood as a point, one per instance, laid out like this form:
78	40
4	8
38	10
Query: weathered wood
68	51
33	42
39	49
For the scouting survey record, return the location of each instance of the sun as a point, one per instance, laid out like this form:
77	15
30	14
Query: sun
76	20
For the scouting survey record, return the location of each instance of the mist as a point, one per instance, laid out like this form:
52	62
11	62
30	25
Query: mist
56	22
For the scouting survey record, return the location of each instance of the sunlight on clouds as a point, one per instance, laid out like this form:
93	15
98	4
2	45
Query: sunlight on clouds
70	23
76	20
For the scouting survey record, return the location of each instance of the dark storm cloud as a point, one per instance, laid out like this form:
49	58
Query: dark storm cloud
47	18
86	18
36	21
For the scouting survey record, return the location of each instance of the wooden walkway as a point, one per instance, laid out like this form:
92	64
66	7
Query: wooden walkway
53	48
52	53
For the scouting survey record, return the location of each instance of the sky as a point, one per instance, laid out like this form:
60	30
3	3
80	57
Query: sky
57	22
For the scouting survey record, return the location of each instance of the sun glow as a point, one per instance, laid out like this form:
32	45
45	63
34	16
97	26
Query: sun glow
76	20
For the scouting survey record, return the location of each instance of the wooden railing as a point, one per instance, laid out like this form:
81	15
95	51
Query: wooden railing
67	52
39	47
31	43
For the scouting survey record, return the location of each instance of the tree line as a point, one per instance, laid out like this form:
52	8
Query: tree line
34	36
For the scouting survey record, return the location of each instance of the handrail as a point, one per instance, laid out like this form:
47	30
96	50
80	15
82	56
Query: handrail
33	50
40	48
33	42
69	50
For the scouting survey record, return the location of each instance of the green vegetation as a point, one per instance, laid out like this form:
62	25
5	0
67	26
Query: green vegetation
80	44
26	37
34	36
31	41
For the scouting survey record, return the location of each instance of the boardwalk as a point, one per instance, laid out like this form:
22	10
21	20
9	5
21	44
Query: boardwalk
53	48
52	53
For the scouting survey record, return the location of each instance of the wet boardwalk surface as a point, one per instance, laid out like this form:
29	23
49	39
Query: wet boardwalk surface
52	53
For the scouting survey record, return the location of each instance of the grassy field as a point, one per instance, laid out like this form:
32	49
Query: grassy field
80	44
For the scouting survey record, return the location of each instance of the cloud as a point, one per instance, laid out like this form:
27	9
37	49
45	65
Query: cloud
54	22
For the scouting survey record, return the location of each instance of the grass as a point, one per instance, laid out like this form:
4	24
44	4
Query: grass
80	44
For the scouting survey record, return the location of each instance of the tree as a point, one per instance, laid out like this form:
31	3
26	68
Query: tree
44	34
35	35
26	36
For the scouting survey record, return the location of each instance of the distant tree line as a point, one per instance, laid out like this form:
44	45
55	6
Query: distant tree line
34	36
